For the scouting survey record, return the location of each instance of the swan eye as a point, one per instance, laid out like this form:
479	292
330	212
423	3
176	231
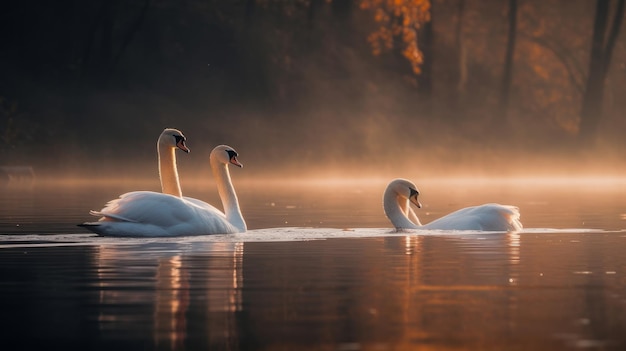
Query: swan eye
179	138
413	192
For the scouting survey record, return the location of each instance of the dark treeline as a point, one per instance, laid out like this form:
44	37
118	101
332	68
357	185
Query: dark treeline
310	83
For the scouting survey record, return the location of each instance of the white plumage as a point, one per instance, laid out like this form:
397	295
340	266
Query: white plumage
489	217
152	214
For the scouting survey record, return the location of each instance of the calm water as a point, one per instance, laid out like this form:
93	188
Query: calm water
344	282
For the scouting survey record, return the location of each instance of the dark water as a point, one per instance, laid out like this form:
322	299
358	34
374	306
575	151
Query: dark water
558	285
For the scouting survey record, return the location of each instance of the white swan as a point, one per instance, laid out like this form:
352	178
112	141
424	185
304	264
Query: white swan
489	217
169	140
152	214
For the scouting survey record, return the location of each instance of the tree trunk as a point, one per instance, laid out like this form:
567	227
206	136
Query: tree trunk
341	13
612	38
86	61
106	41
342	10
130	34
461	77
459	70
600	58
425	79
507	74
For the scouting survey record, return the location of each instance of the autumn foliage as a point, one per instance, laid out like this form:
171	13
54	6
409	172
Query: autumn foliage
398	23
304	70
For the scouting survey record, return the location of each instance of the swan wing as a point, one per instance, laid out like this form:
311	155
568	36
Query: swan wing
201	203
488	217
145	207
146	213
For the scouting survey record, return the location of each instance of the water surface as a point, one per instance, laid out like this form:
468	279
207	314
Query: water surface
320	269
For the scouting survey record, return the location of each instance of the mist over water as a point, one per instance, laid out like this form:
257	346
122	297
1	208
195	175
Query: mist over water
563	203
297	91
319	266
322	120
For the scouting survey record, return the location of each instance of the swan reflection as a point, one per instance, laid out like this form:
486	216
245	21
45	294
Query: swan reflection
183	286
172	301
434	287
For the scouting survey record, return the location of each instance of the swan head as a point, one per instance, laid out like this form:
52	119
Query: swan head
405	189
173	138
226	155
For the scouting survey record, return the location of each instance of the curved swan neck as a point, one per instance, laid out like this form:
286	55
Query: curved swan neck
396	209
168	173
228	195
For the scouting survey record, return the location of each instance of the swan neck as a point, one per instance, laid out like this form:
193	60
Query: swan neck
228	195
396	209
168	173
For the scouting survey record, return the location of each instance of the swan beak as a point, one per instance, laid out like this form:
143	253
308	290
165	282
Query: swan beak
181	145
234	161
415	202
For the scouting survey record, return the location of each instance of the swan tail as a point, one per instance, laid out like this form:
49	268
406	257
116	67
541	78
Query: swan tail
126	229
88	225
94	227
105	216
496	217
513	216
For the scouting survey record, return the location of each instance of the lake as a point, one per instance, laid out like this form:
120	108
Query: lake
319	269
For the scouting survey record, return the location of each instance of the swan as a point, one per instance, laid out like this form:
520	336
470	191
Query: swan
169	140
489	217
152	214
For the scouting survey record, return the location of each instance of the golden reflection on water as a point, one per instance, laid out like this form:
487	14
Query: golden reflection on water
408	301
170	289
513	241
536	291
480	291
172	301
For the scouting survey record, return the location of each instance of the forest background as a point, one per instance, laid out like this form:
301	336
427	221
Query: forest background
313	86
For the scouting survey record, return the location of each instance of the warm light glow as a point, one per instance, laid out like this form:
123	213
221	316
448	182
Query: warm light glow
172	301
177	332
235	294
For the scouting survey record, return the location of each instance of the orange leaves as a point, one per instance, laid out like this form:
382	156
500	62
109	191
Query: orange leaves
380	40
411	52
410	12
381	16
398	22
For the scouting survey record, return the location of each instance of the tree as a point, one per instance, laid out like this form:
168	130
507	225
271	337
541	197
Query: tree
128	37
507	74
602	44
401	20
425	79
100	64
461	66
